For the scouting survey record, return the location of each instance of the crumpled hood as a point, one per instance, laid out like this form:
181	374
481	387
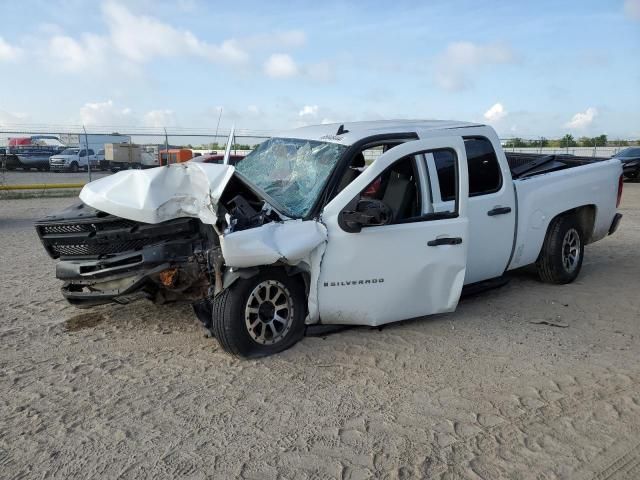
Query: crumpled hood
163	193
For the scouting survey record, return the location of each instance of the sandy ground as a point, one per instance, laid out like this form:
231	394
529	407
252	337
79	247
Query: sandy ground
139	391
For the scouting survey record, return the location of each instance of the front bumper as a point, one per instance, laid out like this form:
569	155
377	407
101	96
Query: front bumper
129	276
105	259
123	290
59	167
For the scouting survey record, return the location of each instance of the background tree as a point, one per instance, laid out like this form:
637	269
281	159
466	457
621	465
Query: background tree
568	141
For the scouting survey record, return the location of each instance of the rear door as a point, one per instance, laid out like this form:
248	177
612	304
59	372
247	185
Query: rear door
492	208
411	267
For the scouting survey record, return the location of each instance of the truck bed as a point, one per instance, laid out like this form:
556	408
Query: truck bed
524	165
540	198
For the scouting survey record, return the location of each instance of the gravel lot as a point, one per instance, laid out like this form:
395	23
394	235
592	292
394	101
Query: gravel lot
138	391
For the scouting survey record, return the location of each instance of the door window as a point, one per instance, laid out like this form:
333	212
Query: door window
483	167
484	170
398	188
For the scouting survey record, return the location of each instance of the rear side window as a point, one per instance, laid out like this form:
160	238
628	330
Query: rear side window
484	170
445	161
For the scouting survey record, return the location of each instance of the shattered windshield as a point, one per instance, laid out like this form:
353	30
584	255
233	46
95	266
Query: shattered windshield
291	171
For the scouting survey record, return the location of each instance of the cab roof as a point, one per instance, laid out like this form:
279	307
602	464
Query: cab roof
352	132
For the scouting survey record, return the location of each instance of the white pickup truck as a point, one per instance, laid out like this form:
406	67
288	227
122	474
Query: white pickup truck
72	159
312	228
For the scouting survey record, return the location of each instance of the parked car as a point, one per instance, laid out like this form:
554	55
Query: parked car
71	159
97	159
302	232
217	158
630	159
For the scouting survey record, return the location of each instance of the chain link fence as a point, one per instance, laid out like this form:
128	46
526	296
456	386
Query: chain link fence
47	156
50	155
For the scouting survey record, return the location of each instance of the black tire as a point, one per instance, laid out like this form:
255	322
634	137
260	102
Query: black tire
230	317
73	167
560	260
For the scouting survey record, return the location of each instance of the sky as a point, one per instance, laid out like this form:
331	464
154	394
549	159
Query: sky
529	69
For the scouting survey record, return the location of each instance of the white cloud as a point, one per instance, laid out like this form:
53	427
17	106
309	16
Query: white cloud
253	110
141	38
632	9
456	66
308	111
582	119
280	65
133	39
495	113
160	118
68	54
105	114
9	52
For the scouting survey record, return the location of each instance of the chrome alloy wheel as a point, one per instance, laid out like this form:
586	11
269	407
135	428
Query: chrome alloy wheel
570	250
268	314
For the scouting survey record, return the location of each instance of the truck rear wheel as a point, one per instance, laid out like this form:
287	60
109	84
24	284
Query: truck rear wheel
261	315
561	257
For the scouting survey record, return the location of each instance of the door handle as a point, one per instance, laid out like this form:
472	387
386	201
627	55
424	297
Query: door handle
445	241
499	211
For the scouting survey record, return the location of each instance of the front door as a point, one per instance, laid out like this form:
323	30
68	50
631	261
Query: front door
412	266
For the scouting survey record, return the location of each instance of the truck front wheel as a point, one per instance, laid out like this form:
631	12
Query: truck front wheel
73	167
261	315
561	257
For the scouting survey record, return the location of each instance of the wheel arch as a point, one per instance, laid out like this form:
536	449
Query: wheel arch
231	276
534	231
586	216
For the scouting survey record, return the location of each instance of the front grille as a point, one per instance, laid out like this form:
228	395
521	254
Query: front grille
76	228
98	249
103	234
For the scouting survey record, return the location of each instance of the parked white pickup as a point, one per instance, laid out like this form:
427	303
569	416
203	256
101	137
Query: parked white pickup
72	159
304	230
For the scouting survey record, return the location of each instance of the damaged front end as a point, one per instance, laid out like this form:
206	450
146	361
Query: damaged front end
181	232
104	258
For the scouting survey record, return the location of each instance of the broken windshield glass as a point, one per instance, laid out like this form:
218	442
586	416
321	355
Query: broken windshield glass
291	171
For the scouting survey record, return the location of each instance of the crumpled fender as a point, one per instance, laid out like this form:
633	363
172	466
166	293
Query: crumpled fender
290	242
294	242
159	194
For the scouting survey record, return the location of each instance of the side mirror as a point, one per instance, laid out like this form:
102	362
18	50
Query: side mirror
364	213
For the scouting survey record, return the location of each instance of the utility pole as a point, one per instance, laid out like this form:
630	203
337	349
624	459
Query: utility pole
86	146
218	126
166	146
